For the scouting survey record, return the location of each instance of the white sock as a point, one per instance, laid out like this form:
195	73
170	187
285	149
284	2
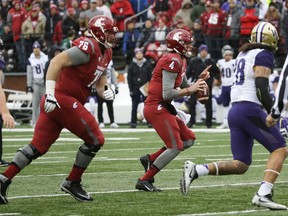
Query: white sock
202	169
265	188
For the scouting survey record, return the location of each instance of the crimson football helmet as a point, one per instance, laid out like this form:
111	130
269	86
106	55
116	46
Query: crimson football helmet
103	30
180	41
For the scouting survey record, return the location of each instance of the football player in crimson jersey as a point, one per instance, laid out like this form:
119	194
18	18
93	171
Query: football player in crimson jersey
247	119
168	83
69	80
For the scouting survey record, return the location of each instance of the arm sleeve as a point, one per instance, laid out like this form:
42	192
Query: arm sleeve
77	56
168	82
262	92
281	93
184	83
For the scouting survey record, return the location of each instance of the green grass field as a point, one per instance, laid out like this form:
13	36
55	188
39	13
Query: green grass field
112	175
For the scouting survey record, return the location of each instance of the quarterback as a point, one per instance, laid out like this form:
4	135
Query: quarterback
69	80
169	82
247	119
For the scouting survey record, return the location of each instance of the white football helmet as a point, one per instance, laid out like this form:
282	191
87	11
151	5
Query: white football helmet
227	50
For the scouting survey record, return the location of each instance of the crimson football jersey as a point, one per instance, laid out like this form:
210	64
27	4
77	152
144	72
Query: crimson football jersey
171	62
77	81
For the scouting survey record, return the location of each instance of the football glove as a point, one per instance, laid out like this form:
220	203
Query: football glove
108	94
283	126
50	103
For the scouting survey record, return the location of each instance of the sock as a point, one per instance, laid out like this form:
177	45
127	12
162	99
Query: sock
265	188
11	171
202	169
156	154
150	173
76	174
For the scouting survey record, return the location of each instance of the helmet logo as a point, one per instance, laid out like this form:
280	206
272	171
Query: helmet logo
177	36
100	23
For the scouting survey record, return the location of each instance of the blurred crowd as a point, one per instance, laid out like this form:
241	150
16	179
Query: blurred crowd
215	23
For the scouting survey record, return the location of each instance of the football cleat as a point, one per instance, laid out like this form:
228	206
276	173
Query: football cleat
267	202
4	184
146	186
75	189
4	163
146	163
189	174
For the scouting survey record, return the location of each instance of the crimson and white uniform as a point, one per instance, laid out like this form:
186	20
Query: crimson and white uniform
170	128
72	89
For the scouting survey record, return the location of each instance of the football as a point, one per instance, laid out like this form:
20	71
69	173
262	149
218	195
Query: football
203	96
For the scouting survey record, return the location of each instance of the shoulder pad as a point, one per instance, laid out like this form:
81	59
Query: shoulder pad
85	44
172	63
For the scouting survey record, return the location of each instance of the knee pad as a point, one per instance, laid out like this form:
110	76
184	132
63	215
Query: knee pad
24	156
85	154
187	144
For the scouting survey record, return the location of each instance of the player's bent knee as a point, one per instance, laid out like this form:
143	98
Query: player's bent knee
24	156
187	144
89	149
240	167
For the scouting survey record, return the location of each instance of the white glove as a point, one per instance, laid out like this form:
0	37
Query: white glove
108	94
50	103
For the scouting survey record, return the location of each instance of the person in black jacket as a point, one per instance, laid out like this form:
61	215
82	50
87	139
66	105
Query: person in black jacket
194	68
139	74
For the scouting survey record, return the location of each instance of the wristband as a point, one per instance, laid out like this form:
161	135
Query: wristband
50	87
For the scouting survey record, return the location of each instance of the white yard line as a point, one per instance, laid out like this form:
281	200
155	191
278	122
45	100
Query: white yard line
225	213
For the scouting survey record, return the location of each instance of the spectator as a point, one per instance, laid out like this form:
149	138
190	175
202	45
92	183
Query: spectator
70	22
82	17
75	6
35	79
194	68
273	16
145	34
248	19
184	13
9	49
139	73
52	19
139	6
112	82
103	7
62	8
285	23
33	29
55	50
92	11
5	118
197	33
232	29
121	10
160	33
15	18
197	10
58	34
4	8
176	6
162	6
129	41
67	42
263	8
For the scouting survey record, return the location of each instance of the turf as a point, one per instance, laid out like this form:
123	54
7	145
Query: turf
112	175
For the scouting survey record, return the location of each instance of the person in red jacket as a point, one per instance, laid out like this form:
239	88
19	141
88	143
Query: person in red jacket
15	18
248	19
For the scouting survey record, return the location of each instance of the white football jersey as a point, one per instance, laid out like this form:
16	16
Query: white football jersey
38	65
244	88
227	71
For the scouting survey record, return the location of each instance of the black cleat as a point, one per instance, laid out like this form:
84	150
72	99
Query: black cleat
146	186
76	190
4	184
4	163
146	163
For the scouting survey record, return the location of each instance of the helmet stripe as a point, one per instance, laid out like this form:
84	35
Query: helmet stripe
259	32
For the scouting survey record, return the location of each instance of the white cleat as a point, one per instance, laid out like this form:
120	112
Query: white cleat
267	202
189	174
114	125
222	126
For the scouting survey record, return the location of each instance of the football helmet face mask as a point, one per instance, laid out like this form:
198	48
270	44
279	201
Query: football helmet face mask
103	30
227	50
265	33
180	41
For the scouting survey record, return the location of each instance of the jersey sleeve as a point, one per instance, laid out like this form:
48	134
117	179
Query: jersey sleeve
172	63
264	58
2	64
84	44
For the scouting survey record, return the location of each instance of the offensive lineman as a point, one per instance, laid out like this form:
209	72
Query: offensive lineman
70	77
226	66
247	119
169	82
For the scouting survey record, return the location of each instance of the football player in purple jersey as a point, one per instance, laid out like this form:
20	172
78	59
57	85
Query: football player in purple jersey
247	119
